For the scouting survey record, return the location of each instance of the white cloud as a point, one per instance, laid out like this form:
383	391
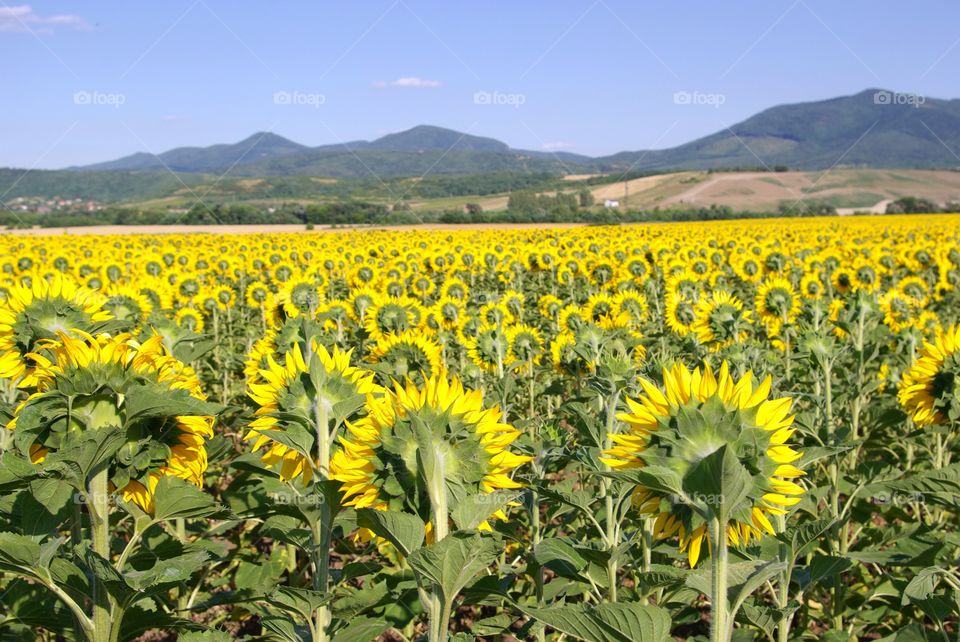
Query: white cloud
23	18
409	82
557	145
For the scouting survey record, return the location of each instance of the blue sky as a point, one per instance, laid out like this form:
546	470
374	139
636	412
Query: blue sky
87	81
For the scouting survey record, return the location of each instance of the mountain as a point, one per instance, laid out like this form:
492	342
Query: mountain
428	138
874	128
203	159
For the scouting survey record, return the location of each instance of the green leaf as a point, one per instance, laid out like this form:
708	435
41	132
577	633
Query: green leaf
362	630
945	481
473	510
44	507
19	554
561	558
659	479
718	484
167	571
204	636
619	622
77	461
922	585
285	628
176	498
822	566
494	625
660	576
303	602
152	401
104	571
741	591
403	530
261	576
450	564
294	436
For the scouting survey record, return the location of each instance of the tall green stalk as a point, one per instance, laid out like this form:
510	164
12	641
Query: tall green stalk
612	526
98	505
321	531
440	518
720	621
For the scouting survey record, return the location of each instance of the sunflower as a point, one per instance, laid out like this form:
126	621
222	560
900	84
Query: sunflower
928	389
632	303
916	288
257	295
571	318
407	354
488	349
189	319
39	310
225	296
299	295
496	314
899	309
695	416
843	279
294	392
777	303
721	320
600	304
129	304
811	286
549	306
681	314
413	433
393	315
422	286
86	383
524	345
447	313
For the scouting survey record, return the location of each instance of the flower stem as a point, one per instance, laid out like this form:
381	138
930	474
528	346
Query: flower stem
321	530
98	505
612	530
720	625
440	518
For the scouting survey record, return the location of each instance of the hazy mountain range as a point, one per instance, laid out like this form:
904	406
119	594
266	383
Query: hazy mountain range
874	128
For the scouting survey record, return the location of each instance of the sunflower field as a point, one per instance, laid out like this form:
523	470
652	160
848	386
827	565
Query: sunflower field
730	430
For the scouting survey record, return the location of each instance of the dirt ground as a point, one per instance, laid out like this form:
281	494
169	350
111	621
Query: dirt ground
266	229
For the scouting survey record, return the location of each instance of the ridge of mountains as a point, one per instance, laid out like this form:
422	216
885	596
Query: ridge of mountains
874	128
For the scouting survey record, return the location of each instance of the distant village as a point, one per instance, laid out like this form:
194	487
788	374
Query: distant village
45	205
